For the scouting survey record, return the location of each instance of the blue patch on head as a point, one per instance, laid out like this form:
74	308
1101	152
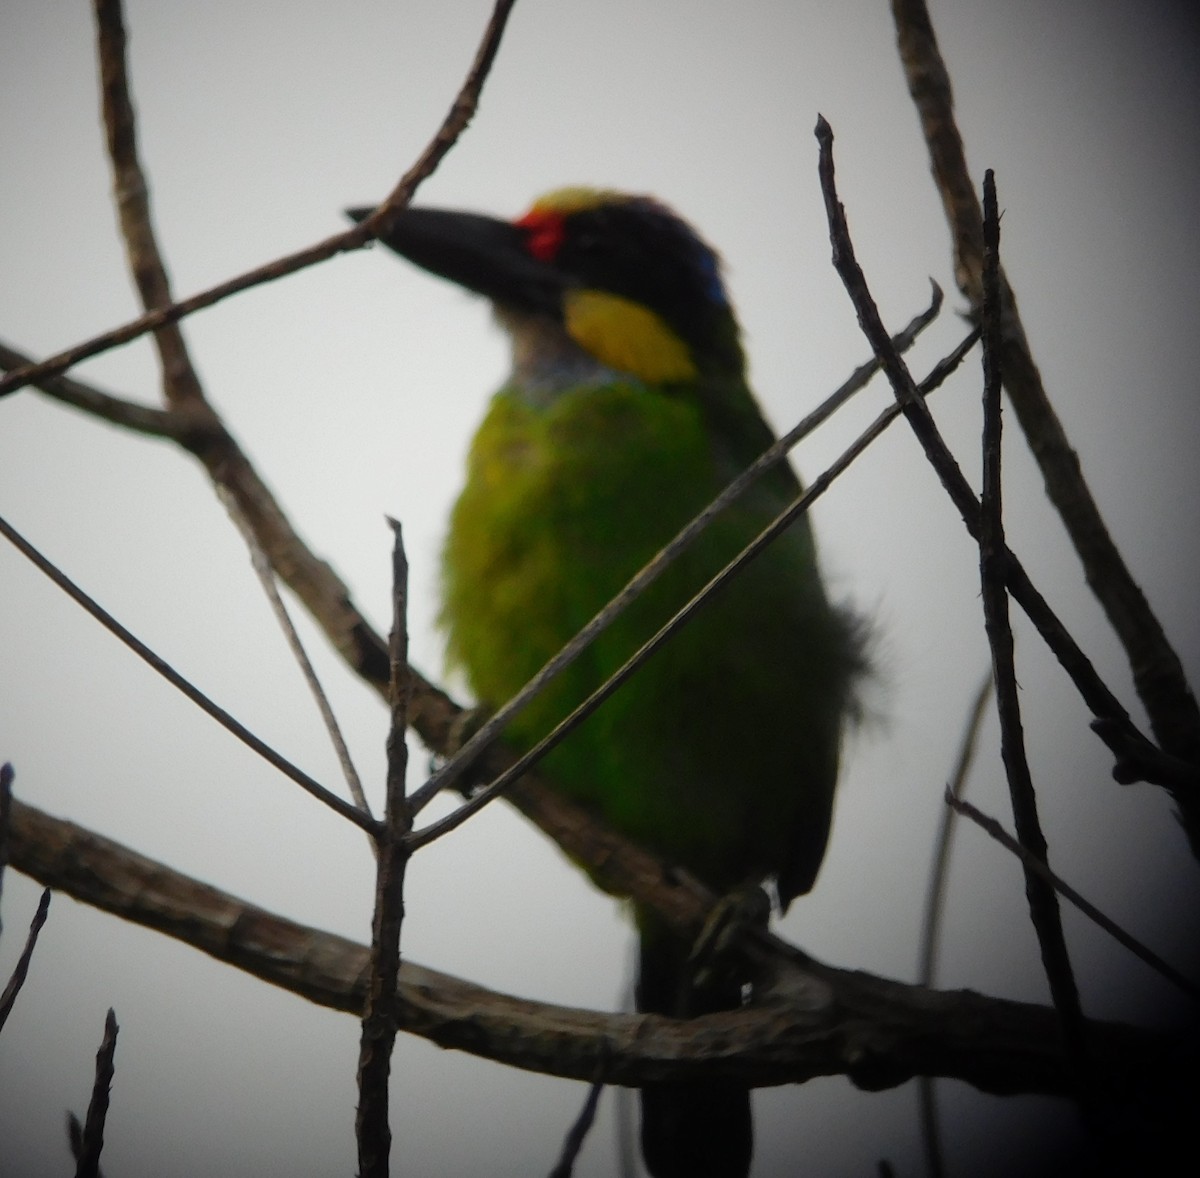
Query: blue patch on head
710	268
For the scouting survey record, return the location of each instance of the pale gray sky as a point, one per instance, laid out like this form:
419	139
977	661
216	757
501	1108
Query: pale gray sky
355	387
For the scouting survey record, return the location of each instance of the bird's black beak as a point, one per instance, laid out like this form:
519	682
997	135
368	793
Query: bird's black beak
483	254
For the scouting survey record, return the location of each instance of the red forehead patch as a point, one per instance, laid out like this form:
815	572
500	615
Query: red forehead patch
544	231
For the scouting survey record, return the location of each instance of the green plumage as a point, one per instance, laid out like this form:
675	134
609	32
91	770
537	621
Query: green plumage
721	753
626	414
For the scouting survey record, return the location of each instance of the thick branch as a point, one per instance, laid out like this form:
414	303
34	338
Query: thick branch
822	1021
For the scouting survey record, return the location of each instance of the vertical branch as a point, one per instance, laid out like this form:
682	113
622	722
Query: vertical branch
381	1017
91	1142
1043	904
180	383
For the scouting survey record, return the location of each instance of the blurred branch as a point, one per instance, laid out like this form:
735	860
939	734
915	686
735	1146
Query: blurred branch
935	903
175	424
817	1021
455	122
1158	675
7	773
577	1134
132	197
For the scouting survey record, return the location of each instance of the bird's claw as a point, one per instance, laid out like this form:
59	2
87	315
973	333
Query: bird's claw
716	958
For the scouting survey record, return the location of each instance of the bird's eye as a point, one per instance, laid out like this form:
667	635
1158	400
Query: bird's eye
587	242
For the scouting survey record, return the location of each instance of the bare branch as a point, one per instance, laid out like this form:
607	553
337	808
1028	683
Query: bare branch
132	196
578	1133
931	926
91	1141
381	1017
21	970
143	419
1095	692
6	783
266	578
193	693
1043	905
452	126
1157	671
993	828
824	1022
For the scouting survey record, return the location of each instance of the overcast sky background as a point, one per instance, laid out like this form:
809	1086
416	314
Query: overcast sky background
355	387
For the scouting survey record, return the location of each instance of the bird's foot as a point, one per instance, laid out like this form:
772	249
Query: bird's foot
717	959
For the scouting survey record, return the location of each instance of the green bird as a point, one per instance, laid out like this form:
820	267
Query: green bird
627	411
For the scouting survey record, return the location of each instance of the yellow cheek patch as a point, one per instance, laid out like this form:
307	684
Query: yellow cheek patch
626	336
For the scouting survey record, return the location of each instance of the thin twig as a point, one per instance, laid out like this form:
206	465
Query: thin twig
87	1161
993	828
381	1017
776	528
21	970
1158	674
1095	692
222	717
1043	904
646	576
455	122
266	578
578	1132
935	904
7	773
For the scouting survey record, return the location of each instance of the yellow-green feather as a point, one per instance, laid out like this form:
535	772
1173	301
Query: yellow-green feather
721	753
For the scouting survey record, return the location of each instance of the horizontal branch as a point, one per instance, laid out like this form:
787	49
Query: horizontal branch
815	1021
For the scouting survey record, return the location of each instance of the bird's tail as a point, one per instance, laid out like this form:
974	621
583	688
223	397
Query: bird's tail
688	1130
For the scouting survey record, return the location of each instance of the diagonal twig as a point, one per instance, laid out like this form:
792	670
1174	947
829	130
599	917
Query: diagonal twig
993	828
266	578
193	693
21	970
